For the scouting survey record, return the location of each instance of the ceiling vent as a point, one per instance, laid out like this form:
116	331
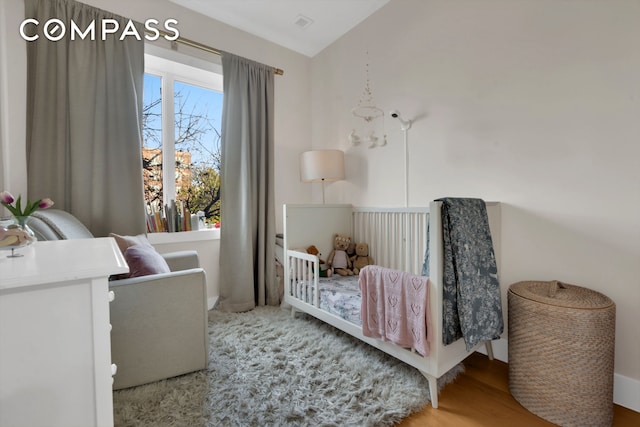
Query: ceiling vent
303	21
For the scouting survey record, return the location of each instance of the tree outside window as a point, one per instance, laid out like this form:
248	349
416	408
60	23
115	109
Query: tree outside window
193	140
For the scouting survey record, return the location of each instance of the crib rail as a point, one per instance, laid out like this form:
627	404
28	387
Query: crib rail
302	282
397	237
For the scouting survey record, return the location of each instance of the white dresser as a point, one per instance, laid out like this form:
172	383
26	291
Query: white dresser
55	351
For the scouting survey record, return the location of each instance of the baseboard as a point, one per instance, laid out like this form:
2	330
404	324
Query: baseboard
212	302
500	350
626	391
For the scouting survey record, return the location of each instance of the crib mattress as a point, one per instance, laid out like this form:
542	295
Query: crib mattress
340	296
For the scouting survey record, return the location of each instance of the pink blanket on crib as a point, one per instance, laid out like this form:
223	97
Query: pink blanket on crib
395	307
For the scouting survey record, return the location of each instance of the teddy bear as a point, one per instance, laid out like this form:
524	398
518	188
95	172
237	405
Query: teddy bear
338	258
351	252
324	270
362	258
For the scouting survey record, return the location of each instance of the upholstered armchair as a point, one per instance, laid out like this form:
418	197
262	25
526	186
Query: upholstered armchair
159	321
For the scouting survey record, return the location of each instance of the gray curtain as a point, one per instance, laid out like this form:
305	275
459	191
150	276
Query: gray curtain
4	167
247	239
84	116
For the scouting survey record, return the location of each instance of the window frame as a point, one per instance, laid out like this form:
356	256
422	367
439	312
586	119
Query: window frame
185	69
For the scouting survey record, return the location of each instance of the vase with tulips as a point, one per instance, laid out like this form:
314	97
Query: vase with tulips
19	234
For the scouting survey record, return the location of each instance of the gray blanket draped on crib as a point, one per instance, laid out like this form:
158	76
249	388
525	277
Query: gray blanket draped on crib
472	307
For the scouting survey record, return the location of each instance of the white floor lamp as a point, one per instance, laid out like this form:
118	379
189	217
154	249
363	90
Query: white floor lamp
405	125
322	166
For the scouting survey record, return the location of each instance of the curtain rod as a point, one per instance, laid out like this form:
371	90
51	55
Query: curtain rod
206	48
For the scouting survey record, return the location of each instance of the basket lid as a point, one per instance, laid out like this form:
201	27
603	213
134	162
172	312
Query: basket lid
561	294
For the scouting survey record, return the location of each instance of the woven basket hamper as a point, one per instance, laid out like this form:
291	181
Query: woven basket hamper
561	347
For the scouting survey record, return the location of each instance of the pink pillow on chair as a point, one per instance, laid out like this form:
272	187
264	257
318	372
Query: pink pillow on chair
144	260
126	241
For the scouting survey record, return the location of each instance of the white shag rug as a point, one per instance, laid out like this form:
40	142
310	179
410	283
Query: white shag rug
268	369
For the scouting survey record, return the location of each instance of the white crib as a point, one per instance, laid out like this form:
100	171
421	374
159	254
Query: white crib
397	239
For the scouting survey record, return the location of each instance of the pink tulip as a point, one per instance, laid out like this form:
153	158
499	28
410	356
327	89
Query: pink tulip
45	203
6	197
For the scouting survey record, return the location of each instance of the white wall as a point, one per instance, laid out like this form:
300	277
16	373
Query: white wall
13	100
292	90
292	93
292	107
534	103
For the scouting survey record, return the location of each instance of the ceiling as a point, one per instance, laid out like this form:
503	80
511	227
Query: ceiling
305	26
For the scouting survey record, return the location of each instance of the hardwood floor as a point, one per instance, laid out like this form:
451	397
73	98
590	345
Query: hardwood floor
480	397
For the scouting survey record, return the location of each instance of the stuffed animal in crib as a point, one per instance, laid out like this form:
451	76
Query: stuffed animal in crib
324	270
313	250
351	252
362	258
338	258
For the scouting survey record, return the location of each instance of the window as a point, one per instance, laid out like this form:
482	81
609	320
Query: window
182	112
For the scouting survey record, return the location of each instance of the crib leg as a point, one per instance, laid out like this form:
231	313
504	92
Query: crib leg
489	348
293	312
433	390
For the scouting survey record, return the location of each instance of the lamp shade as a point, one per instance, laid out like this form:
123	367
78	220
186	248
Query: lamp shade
322	165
